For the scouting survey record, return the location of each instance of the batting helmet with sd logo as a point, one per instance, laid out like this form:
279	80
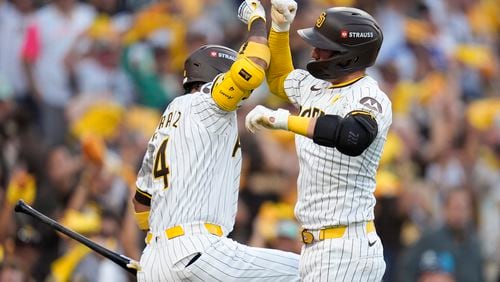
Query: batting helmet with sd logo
352	33
205	63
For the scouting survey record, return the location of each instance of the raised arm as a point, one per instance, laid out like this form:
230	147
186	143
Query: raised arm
282	14
248	71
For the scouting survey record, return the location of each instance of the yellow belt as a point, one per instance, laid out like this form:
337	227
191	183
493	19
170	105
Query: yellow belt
331	233
178	231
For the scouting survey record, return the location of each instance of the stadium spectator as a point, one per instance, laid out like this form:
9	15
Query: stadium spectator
439	64
48	38
456	240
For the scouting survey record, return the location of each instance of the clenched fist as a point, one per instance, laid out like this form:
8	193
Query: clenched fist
261	117
282	13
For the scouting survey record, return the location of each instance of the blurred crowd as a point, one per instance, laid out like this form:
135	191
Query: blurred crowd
83	84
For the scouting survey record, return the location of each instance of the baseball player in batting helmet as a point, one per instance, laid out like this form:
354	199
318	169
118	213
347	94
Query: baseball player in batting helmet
188	184
351	33
205	63
340	133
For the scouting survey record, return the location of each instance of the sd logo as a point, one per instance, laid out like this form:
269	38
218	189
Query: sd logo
321	20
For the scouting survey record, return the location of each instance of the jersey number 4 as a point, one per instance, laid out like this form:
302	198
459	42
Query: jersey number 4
161	168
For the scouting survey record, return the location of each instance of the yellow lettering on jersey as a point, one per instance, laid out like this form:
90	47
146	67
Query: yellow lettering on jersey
237	145
311	112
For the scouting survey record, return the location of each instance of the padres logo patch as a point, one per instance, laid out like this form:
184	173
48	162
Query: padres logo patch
371	104
321	20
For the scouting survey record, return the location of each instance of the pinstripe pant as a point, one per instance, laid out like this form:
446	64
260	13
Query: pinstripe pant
356	256
222	259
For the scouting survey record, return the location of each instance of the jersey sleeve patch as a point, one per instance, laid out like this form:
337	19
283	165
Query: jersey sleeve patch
371	103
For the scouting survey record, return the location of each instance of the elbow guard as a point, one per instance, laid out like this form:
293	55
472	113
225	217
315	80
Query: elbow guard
350	135
236	85
246	74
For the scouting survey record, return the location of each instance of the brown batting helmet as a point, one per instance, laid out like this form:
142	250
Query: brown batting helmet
352	33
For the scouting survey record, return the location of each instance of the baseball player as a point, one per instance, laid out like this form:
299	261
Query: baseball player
340	133
187	187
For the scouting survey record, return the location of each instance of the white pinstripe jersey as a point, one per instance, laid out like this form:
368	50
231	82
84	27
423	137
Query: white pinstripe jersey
333	188
195	154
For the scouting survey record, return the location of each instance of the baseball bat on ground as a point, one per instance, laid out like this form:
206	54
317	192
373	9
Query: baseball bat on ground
123	261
